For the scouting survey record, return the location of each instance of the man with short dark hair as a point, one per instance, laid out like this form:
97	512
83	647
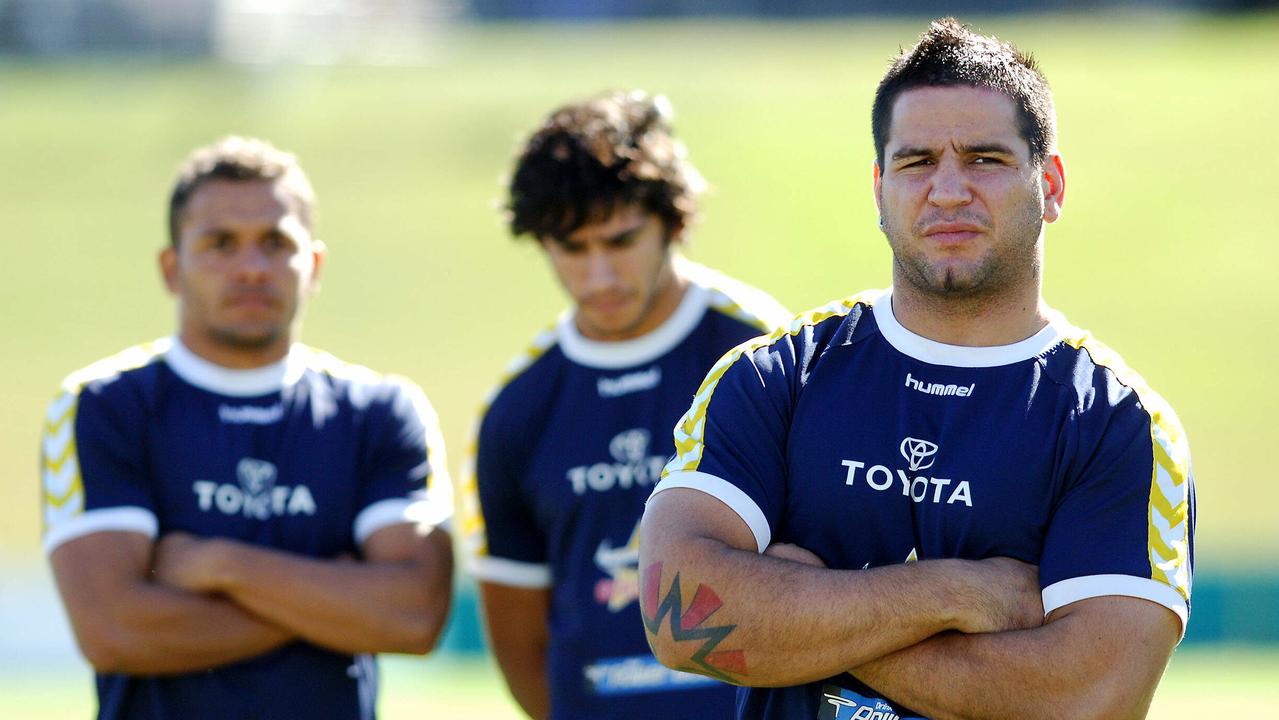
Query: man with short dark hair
236	522
574	438
941	499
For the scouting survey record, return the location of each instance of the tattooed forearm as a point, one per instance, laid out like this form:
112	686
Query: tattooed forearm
689	627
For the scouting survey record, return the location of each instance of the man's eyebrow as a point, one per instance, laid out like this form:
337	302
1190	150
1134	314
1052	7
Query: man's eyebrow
908	152
991	148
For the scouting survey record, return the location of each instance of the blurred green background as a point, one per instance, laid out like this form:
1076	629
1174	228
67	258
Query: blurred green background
1164	250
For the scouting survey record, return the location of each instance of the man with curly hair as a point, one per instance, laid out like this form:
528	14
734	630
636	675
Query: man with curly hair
574	438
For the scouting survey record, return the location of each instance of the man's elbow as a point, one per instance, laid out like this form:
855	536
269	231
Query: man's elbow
108	651
421	632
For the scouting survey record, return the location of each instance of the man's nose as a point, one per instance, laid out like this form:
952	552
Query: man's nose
252	262
600	271
949	186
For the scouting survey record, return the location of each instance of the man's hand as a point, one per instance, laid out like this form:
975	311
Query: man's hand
794	553
186	562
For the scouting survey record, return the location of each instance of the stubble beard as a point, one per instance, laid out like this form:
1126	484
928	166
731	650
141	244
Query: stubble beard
1002	270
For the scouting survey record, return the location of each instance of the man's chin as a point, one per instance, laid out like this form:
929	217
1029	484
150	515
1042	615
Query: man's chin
248	339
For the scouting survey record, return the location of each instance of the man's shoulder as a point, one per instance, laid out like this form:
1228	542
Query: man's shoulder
359	383
109	374
739	301
527	380
1102	380
810	333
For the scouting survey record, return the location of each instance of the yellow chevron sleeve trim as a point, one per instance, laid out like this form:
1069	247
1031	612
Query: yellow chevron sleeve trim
62	484
738	300
690	432
472	529
1168	525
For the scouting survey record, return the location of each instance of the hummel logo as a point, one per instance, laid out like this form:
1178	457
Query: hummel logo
939	388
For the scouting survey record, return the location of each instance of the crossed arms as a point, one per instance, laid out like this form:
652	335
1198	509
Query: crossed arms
183	604
950	638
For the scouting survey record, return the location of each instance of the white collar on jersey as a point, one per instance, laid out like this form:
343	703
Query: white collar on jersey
636	351
935	353
236	383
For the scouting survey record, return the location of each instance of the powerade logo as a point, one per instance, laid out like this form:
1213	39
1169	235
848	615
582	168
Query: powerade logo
639	674
842	704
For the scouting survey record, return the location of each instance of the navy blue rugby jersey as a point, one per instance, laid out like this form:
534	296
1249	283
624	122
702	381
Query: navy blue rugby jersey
851	436
568	449
308	455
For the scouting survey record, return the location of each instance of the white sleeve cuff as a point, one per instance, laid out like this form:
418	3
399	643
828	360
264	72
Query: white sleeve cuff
127	519
510	572
727	493
1064	592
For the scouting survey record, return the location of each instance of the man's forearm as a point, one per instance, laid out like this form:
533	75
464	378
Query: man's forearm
713	605
1102	662
125	622
153	630
345	606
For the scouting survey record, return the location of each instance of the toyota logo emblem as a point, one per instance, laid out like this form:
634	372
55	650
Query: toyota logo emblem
919	454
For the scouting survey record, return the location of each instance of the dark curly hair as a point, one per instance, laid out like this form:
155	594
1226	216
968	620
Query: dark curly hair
239	159
948	54
592	156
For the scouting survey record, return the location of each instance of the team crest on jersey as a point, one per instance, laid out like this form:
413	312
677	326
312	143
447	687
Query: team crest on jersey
632	465
255	495
621	587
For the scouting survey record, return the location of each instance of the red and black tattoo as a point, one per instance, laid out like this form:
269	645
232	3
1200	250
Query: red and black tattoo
690	625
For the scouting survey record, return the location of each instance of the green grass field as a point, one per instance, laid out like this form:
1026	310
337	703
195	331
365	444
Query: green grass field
1225	683
1167	248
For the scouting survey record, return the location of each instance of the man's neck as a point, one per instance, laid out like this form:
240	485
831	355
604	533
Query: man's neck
985	321
235	358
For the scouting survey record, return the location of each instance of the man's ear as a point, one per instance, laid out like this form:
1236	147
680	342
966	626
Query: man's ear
877	177
319	254
1053	184
169	268
675	233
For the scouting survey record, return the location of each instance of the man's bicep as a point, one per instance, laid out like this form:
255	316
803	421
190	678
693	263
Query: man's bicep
1126	641
680	514
408	542
515	615
93	570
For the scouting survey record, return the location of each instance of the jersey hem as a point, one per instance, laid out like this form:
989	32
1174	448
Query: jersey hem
510	572
727	493
127	519
1064	592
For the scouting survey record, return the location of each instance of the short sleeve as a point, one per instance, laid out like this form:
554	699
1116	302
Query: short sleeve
92	465
1125	525
731	444
505	544
407	478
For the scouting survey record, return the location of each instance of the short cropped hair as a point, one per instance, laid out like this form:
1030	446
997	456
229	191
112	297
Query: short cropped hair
950	54
238	159
590	157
